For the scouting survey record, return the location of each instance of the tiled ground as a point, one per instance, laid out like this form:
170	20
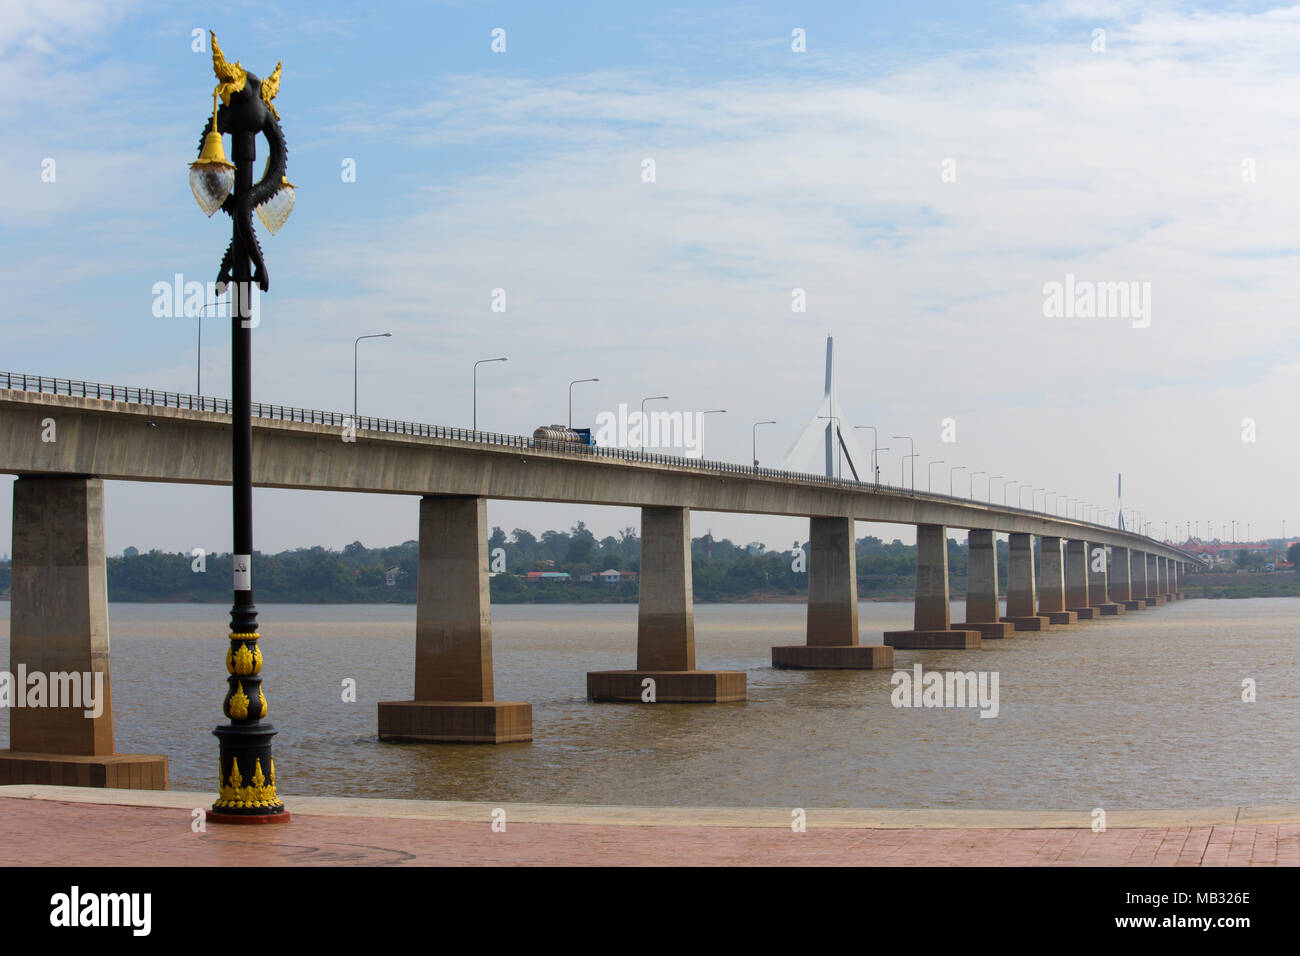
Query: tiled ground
50	832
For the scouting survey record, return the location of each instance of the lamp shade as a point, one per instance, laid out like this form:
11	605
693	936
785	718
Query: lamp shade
212	177
275	210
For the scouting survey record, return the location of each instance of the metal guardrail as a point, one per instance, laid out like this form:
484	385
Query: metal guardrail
206	403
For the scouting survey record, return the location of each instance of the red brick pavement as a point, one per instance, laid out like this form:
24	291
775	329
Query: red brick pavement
47	832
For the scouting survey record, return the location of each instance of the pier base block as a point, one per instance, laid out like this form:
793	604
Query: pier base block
1085	613
1110	610
670	687
1135	605
1037	622
1063	617
933	640
115	771
456	721
833	656
1151	601
989	630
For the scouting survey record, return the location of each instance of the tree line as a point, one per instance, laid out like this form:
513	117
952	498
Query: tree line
721	571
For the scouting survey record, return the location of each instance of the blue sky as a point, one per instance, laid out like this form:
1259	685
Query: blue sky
775	170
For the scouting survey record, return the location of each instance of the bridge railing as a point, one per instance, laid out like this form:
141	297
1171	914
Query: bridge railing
288	413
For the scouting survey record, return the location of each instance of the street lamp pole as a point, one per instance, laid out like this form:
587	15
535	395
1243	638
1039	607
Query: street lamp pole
875	438
929	475
754	436
476	365
954	468
901	465
911	447
377	335
712	411
247	786
972	483
578	381
990	488
645	428
1004	490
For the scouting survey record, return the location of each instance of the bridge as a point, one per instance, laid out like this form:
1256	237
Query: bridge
64	438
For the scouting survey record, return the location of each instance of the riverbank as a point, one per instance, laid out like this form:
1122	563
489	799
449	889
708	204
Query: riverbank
74	826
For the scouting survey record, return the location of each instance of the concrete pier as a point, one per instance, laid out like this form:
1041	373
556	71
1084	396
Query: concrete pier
665	635
1098	583
832	632
1051	583
1138	572
59	630
1021	589
933	625
454	694
1153	581
982	611
1076	580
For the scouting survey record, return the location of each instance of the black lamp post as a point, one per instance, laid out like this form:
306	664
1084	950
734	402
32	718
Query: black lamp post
246	788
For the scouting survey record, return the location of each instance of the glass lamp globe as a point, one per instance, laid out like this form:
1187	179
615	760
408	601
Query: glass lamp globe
212	177
275	210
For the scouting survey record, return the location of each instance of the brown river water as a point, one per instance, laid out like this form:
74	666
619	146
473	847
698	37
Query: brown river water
1141	711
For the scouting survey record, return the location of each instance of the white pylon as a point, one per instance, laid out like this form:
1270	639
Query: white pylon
826	445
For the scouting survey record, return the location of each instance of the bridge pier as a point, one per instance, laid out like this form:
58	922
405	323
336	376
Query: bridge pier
1152	580
1051	583
832	639
1162	571
1076	580
665	635
933	628
1173	581
1138	570
454	693
59	626
1121	579
1098	583
1021	589
982	587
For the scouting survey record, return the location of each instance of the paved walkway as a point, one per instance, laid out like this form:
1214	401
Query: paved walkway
89	827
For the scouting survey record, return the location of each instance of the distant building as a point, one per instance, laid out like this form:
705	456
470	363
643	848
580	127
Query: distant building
614	576
392	576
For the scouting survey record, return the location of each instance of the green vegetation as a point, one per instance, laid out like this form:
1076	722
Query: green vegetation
1240	585
723	571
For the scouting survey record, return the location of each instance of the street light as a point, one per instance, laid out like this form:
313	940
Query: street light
712	411
875	470
753	434
911	447
246	788
990	488
901	465
1020	496
578	381
476	365
1004	490
929	475
950	471
377	335
645	430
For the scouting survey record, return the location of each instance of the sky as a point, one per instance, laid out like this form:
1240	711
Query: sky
922	173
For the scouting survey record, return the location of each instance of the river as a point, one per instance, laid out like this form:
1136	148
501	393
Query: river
1137	712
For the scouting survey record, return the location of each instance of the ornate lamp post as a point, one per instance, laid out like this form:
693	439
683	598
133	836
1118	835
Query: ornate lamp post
247	780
